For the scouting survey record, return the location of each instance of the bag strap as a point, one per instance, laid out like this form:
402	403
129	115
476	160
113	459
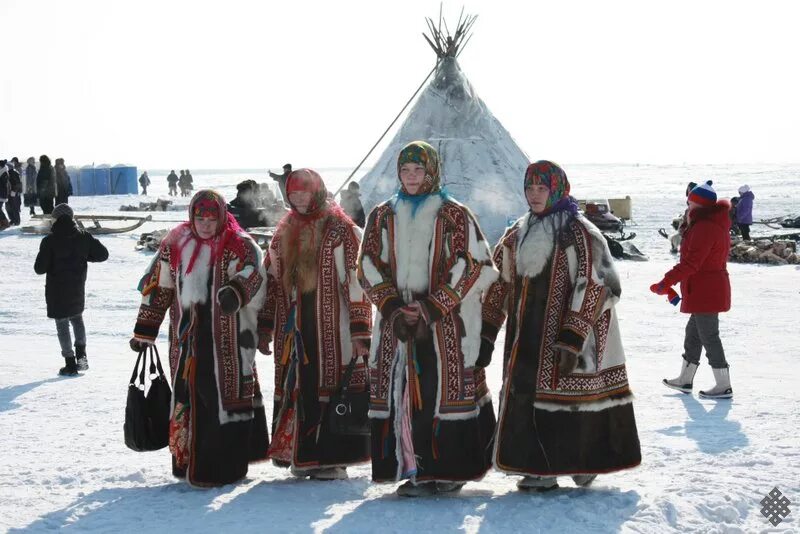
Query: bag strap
155	361
132	381
348	374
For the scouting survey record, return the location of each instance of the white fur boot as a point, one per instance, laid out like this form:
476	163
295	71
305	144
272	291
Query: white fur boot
684	381
722	389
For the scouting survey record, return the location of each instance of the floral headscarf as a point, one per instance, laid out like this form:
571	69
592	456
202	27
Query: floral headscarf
553	177
208	203
423	154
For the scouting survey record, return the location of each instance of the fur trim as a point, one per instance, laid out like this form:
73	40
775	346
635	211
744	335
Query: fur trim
598	406
413	243
194	286
300	257
536	248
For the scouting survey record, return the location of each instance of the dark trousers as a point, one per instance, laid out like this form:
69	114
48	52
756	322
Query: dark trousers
13	207
702	332
64	338
46	204
745	229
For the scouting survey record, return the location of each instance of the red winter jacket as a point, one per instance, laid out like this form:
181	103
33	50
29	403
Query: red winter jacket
702	271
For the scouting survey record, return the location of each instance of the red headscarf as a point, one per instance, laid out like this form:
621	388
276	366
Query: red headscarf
320	205
207	203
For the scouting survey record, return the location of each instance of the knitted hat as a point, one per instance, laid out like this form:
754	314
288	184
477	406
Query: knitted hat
703	194
61	210
744	189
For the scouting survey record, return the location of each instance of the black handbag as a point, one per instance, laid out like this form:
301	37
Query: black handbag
147	416
348	409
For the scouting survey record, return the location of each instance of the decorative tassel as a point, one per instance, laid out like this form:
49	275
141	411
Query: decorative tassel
187	367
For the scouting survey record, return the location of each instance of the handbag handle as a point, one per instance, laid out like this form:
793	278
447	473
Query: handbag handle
132	381
348	374
155	365
155	362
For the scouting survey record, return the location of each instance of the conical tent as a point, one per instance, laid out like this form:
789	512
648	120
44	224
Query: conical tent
482	166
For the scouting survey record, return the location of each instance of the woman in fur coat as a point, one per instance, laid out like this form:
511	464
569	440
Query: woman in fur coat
565	407
209	274
424	264
320	319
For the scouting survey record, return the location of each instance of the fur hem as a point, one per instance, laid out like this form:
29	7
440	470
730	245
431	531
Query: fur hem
598	406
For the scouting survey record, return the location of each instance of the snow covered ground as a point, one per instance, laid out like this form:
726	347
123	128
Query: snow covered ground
706	465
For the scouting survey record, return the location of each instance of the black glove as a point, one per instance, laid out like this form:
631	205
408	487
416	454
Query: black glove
228	301
485	354
137	345
401	329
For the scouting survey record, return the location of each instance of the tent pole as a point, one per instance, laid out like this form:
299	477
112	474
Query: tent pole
387	129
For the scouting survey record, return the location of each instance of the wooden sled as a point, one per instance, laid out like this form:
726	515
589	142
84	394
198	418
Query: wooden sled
96	228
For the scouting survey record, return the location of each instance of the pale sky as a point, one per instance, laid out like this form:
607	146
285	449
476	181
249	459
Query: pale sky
252	84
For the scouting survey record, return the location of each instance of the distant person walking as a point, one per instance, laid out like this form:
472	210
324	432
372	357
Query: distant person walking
63	183
5	189
172	182
63	256
31	198
281	179
46	184
189	180
15	190
744	211
144	181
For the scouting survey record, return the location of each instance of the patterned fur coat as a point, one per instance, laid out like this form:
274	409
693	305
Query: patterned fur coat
580	318
439	256
343	312
167	286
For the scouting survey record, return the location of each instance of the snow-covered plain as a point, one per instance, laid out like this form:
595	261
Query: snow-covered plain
706	465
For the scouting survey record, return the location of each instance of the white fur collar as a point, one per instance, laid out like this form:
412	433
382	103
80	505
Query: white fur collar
194	286
413	236
536	242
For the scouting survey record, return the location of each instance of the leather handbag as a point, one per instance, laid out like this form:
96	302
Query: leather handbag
147	415
348	409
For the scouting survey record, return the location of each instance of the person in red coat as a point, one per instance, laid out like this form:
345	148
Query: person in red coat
706	288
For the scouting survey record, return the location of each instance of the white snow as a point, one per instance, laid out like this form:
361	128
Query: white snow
706	465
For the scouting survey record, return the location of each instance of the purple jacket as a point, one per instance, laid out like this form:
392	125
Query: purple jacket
744	211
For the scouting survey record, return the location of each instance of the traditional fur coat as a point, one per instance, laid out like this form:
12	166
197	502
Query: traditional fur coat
167	286
343	312
580	317
439	252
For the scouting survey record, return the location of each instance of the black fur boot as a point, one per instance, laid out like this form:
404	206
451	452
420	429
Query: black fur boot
70	369
80	355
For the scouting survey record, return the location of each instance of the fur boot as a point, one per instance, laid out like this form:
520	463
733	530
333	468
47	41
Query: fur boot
722	389
684	381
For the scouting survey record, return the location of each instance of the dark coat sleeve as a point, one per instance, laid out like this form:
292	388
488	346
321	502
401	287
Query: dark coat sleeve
97	251
44	257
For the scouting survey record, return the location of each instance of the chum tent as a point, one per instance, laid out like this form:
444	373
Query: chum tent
481	164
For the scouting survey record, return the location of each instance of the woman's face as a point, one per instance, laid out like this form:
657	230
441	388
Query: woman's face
537	196
206	227
412	175
300	200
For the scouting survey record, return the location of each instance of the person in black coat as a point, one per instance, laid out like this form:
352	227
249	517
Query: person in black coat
46	184
63	255
63	183
15	190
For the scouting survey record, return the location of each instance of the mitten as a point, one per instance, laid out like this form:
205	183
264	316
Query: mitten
228	301
485	354
138	345
660	288
567	362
